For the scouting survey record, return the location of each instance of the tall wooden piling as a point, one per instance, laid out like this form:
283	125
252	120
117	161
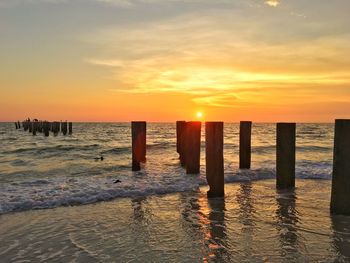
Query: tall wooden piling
214	158
193	146
70	128
19	125
138	132
245	134
34	127
16	124
340	195
180	140
285	155
30	126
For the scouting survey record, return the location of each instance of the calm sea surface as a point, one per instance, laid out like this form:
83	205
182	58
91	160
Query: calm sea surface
160	214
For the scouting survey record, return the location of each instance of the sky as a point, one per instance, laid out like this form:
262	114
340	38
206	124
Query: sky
167	60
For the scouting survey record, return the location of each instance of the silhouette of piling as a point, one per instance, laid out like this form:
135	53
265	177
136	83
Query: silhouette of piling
138	132
16	124
64	128
180	140
245	134
56	128
214	158
192	146
34	127
46	128
30	125
70	128
19	125
340	194
285	155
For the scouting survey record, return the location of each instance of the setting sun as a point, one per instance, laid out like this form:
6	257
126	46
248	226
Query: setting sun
199	115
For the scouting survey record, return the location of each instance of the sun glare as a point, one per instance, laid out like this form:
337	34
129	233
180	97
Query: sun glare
199	115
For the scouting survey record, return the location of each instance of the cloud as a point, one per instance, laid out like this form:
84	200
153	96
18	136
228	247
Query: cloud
273	3
226	59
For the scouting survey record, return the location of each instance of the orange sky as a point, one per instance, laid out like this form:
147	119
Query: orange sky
155	60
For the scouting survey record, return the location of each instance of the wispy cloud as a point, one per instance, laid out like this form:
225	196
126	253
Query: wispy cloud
273	3
220	63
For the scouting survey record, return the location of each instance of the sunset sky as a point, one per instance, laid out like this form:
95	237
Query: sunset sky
164	60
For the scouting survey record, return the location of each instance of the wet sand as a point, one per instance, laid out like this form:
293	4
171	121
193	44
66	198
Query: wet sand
255	223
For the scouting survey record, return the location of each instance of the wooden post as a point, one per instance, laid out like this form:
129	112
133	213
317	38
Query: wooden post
285	155
46	128
30	126
245	134
180	140
70	128
138	132
340	197
19	125
34	127
214	158
64	127
193	146
16	125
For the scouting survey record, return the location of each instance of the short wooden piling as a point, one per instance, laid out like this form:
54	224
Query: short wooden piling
193	146
34	127
214	158
19	125
46	128
340	194
180	140
16	124
138	132
64	128
30	126
70	128
245	133
285	155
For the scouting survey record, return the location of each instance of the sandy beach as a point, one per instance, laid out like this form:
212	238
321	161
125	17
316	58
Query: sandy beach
254	223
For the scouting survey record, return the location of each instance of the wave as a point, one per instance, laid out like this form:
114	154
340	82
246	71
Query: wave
80	191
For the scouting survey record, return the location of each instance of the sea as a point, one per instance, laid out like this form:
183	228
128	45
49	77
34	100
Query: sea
39	172
59	201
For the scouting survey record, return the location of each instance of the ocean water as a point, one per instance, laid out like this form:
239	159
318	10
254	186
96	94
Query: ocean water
39	172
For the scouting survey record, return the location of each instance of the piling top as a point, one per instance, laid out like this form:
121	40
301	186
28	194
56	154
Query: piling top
209	122
138	122
342	120
286	123
245	121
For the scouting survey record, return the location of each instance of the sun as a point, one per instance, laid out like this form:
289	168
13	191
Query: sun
199	115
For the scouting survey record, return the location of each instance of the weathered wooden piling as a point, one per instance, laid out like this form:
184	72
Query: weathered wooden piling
340	195
30	125
285	155
214	158
180	140
138	132
46	128
245	134
34	127
70	128
64	128
192	146
16	124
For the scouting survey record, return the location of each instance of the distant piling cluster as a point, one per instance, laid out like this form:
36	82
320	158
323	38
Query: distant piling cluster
45	127
188	144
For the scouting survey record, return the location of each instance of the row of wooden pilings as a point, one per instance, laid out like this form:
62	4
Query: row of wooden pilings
189	142
45	127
